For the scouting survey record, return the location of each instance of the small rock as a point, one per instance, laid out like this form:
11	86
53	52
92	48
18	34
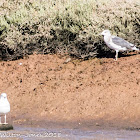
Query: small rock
67	60
97	124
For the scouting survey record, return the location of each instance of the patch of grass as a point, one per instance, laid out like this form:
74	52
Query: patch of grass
65	26
5	127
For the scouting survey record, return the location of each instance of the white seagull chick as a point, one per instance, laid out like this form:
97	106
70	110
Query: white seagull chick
4	106
117	43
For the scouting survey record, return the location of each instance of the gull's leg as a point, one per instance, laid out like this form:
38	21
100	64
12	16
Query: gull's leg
0	120
116	56
5	119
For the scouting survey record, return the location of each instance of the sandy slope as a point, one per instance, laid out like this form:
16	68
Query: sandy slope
99	91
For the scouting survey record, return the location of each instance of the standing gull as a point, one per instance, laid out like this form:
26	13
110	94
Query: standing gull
117	43
4	106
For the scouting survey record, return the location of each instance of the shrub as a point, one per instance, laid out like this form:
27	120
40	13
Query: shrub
71	27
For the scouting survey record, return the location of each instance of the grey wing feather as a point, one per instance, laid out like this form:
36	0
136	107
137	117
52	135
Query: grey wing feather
121	42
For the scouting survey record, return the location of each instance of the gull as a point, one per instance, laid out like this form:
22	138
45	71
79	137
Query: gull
117	43
4	106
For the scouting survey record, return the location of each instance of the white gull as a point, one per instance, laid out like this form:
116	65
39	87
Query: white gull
117	43
4	106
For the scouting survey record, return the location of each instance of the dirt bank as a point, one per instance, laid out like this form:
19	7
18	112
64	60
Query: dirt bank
95	92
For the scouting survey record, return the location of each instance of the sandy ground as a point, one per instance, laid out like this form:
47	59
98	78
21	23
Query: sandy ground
45	91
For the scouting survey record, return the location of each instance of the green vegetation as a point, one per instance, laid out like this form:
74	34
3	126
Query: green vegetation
70	27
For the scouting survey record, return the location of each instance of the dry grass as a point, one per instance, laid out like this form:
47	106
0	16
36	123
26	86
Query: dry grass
64	26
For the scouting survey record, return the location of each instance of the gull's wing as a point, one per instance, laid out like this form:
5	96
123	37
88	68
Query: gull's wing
121	42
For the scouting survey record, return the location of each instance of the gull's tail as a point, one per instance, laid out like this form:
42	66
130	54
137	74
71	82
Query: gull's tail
135	48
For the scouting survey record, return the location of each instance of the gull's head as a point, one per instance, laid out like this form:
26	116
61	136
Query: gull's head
4	96
106	33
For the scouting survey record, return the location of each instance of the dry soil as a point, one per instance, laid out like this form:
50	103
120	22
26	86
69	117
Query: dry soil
44	90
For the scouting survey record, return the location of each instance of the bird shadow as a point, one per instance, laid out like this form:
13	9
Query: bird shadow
121	54
127	55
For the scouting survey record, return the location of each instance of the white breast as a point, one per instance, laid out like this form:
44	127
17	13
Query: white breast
4	106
